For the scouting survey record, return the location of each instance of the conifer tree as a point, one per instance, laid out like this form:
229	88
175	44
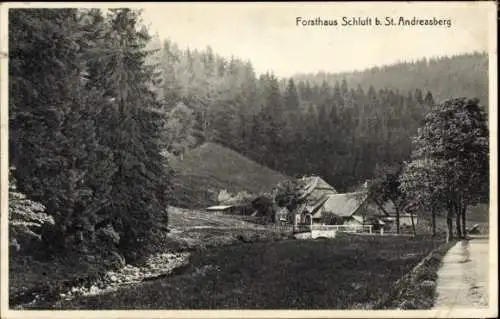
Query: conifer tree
291	98
53	119
132	127
429	100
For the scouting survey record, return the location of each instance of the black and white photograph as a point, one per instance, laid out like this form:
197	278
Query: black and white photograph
254	159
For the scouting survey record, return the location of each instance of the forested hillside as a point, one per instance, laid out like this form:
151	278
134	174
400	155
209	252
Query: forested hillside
446	77
337	126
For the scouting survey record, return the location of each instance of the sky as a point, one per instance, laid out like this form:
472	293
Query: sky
267	33
268	36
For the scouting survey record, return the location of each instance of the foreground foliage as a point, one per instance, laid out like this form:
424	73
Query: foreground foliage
26	219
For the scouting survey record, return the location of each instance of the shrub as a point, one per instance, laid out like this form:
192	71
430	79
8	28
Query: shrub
224	196
27	219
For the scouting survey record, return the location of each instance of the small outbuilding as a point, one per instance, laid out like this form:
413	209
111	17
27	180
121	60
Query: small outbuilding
227	209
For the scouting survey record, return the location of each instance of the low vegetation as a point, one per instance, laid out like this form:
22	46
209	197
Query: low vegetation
181	218
345	273
36	281
417	288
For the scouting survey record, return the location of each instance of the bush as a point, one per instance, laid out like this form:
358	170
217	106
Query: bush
264	205
224	196
288	193
27	222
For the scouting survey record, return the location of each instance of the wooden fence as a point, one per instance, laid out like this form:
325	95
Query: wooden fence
345	228
289	228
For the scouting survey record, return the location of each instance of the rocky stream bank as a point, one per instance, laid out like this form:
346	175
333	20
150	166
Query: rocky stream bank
156	266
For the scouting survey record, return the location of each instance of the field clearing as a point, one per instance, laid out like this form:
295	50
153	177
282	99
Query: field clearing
188	218
349	272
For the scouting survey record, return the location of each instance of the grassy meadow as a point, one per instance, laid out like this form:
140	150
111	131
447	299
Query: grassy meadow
349	272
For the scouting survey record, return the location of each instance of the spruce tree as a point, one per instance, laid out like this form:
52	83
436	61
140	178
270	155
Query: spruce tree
52	121
429	99
132	127
291	98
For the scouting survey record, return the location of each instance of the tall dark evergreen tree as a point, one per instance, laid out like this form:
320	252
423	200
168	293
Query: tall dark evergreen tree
133	131
291	98
429	99
53	144
419	96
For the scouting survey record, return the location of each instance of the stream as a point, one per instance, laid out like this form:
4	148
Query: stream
156	266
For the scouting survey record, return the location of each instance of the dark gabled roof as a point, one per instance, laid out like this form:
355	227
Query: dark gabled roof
343	205
384	209
318	183
316	192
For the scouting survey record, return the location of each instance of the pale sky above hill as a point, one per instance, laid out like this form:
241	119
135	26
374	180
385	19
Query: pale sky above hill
267	34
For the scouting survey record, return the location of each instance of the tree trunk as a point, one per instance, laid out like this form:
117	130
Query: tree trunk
449	224
463	215
433	211
458	224
397	221
413	225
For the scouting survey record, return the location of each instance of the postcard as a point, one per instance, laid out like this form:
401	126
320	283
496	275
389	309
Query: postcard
249	160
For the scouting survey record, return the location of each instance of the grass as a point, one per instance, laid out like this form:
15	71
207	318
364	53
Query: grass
198	230
208	169
27	274
187	218
417	289
30	277
206	238
343	273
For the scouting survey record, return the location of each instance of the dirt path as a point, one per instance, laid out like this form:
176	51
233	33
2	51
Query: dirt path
463	278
